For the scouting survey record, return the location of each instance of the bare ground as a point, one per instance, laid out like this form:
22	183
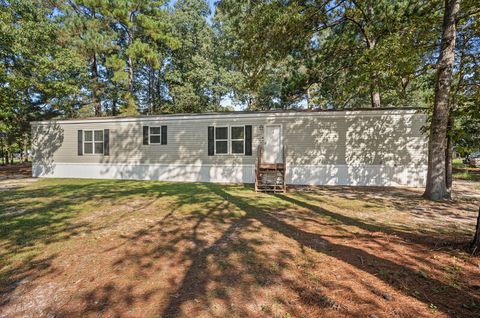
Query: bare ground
16	171
85	248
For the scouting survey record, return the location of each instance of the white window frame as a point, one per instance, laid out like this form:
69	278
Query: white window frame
231	140
93	142
159	135
227	140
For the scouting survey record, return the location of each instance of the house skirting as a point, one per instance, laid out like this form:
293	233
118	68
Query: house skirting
357	175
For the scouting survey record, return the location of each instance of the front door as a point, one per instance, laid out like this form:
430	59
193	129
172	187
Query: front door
272	152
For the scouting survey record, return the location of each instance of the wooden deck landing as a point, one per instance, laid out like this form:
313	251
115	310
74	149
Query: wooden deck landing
272	166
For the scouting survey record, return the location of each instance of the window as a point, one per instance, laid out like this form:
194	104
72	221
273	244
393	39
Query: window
221	140
238	139
154	135
93	142
226	140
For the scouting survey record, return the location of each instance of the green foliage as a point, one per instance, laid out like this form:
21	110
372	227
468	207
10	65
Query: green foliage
334	54
130	108
39	77
194	75
97	57
466	94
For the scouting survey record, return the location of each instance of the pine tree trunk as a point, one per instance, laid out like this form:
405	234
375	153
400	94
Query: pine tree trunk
25	149
20	144
130	64
448	167
436	188
130	75
475	244
3	149
449	156
96	100
158	92
131	36
375	92
374	87
26	142
150	89
7	152
114	106
309	99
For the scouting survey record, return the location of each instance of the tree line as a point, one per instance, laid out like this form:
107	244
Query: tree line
81	58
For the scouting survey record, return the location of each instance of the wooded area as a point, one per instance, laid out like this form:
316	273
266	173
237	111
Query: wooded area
206	249
82	58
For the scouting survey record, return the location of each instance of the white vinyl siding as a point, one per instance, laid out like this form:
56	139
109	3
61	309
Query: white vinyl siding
324	143
310	140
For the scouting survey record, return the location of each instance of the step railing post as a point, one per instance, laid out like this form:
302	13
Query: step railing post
284	167
258	163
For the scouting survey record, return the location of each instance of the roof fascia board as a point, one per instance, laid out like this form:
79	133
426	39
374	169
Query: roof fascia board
264	115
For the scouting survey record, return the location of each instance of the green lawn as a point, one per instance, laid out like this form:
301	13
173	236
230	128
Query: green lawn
466	175
458	163
463	172
144	249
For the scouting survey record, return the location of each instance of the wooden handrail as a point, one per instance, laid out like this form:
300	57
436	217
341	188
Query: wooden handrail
259	154
284	167
257	165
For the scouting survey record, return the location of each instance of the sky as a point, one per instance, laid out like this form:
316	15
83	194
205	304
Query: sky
211	3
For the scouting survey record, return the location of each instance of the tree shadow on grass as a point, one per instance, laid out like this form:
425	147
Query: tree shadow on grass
209	243
220	244
234	260
430	239
195	281
47	212
356	257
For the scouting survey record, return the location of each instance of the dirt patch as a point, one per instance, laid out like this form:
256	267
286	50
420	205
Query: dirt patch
467	189
150	249
16	171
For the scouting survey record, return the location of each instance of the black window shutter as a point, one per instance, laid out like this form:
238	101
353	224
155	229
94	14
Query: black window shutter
106	142
80	142
211	140
145	135
248	140
164	135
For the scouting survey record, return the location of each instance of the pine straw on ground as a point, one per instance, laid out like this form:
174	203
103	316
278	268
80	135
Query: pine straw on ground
19	170
103	248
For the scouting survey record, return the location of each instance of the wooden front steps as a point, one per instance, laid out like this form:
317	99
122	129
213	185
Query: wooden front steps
269	177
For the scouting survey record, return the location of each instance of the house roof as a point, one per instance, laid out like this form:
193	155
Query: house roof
272	113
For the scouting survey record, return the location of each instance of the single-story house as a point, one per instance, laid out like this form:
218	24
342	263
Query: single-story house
378	147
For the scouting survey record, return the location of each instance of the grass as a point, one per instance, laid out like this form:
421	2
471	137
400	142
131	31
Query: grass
466	175
144	249
458	163
462	171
